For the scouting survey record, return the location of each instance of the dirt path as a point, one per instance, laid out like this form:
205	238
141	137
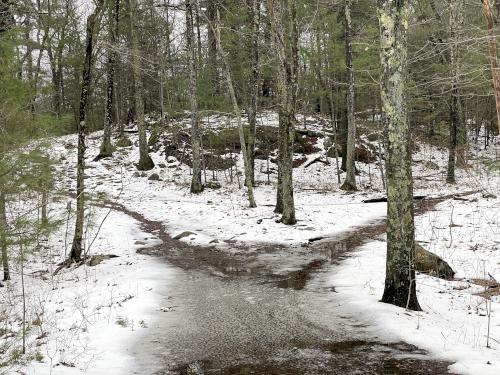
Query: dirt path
266	310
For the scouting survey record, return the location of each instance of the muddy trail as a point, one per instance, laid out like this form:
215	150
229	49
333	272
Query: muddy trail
266	309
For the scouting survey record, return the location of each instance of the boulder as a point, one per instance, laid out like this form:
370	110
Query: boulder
98	259
214	185
429	263
154	177
183	234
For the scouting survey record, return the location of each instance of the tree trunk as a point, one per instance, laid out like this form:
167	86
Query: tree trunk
237	113
212	14
3	237
196	185
254	86
343	129
114	16
145	161
400	287
495	72
350	156
77	246
286	46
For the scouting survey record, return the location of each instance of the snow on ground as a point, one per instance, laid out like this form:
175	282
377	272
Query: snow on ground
86	319
455	321
220	215
452	324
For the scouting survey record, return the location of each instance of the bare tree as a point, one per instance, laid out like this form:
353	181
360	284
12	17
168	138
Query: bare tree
196	185
350	180
92	26
286	47
495	72
145	161
114	17
237	114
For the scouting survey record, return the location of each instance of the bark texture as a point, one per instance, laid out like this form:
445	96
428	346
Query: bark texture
350	155
3	237
283	16
145	161
237	113
400	287
254	86
196	185
77	245
495	72
106	149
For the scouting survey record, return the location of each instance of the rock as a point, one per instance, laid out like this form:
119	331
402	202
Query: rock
162	165
171	159
431	165
429	263
213	185
98	259
154	177
183	234
489	195
195	369
137	174
123	142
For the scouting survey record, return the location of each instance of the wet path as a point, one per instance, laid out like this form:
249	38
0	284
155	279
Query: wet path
266	311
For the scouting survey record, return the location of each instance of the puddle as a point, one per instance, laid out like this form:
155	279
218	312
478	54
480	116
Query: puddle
243	314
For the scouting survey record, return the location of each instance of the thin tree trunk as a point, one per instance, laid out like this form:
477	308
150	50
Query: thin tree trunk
495	72
286	46
212	14
145	162
114	16
456	140
350	180
237	113
334	128
196	185
400	288
3	237
255	78
77	246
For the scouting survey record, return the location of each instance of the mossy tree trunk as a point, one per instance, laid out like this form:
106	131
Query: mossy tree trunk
145	162
106	149
196	185
400	287
350	156
92	26
283	15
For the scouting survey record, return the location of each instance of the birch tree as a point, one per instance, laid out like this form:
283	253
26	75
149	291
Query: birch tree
400	287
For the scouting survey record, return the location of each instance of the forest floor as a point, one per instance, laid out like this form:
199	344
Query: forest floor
100	318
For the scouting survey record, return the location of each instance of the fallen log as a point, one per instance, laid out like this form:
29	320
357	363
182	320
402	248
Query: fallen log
384	199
